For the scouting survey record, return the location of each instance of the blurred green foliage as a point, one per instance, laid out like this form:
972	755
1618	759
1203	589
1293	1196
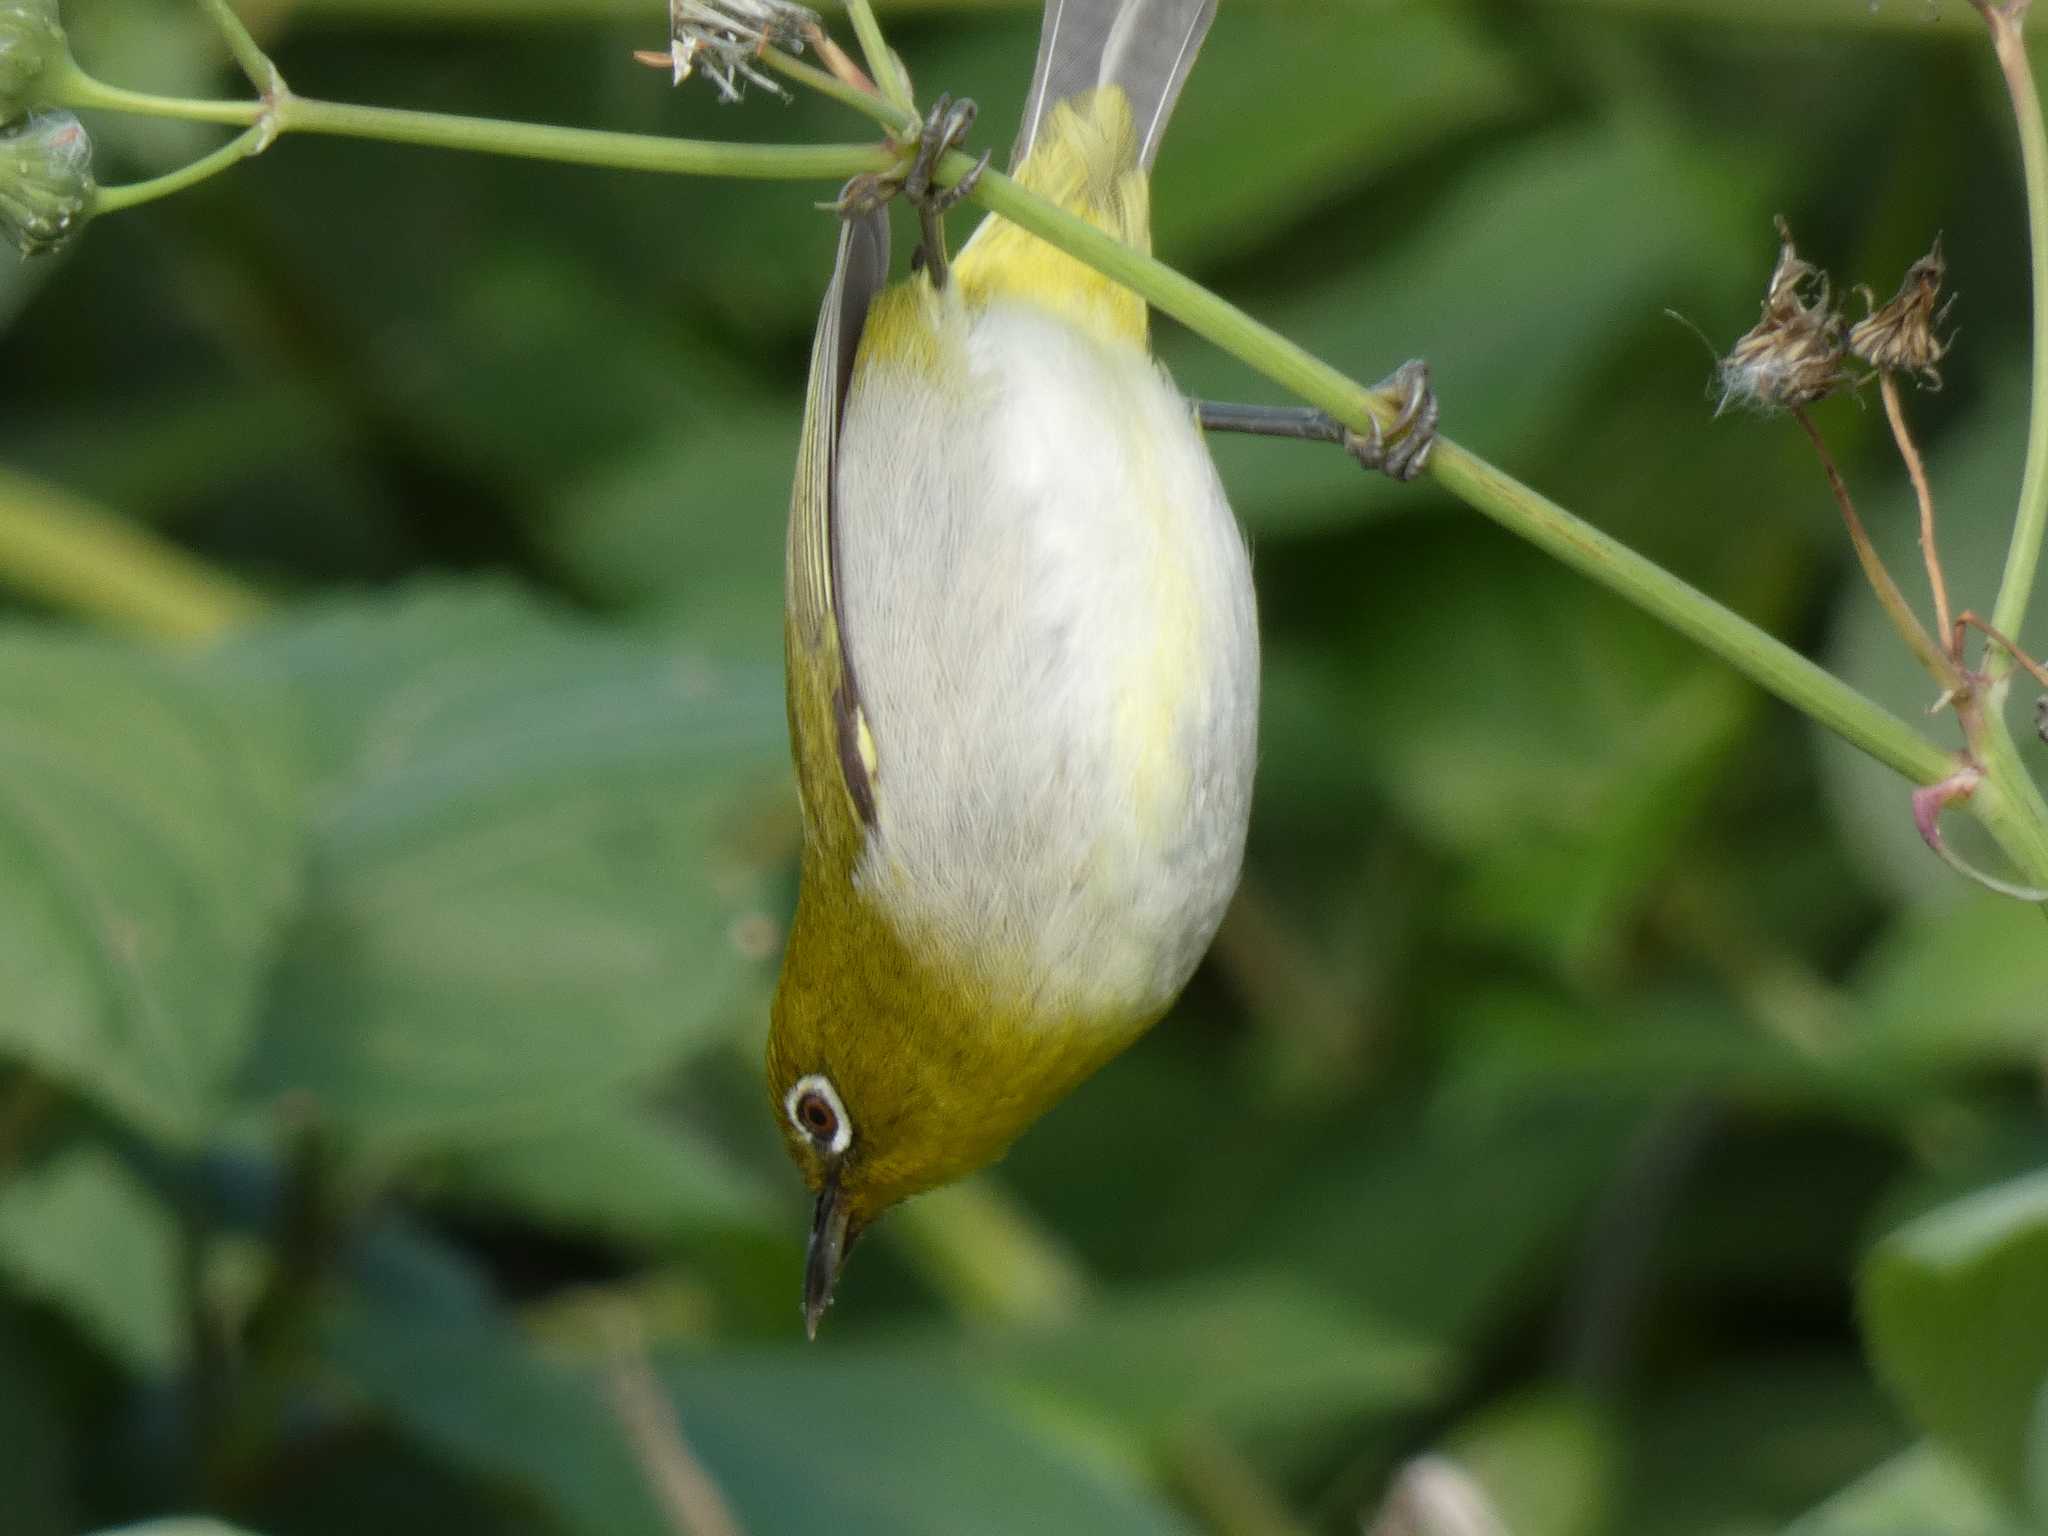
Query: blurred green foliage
381	1141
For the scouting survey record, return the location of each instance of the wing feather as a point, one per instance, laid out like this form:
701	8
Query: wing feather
824	698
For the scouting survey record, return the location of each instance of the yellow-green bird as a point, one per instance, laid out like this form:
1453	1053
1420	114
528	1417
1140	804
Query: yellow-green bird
1023	663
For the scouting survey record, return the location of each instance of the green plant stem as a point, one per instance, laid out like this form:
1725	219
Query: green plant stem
989	1257
248	142
533	141
825	83
2008	801
2022	561
78	558
247	51
881	58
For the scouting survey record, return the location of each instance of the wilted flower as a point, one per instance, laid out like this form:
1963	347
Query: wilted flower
723	38
1793	355
1900	338
31	41
46	187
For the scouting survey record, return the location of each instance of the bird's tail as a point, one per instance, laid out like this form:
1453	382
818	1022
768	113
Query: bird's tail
1108	75
1145	48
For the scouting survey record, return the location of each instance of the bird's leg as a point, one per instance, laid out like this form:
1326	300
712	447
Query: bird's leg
1401	450
945	130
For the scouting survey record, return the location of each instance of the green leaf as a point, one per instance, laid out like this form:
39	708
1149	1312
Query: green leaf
1411	78
624	1174
909	1448
543	868
1225	1351
1952	1303
1958	986
1921	1492
149	843
82	1235
691	523
1564	780
194	1526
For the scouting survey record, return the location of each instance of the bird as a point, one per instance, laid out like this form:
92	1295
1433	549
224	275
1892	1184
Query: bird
1022	658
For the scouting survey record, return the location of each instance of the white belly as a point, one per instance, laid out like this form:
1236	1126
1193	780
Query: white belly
1050	618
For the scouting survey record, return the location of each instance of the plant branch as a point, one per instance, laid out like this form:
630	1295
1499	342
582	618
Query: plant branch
496	136
1895	413
2015	588
883	64
250	141
247	51
1923	645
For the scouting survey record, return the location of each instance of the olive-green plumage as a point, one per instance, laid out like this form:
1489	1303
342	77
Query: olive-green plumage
1022	667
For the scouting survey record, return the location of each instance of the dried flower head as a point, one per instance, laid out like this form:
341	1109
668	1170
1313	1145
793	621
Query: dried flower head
31	41
1792	356
724	37
1903	336
46	186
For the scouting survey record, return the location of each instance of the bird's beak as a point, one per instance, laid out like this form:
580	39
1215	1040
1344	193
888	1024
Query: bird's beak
831	1240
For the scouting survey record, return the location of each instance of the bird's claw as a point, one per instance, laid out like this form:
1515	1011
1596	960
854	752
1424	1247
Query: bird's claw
1401	450
945	130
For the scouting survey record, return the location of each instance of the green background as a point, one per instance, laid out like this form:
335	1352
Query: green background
1596	1084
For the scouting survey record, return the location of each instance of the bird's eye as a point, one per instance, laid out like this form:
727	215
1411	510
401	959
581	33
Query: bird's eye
814	1109
818	1117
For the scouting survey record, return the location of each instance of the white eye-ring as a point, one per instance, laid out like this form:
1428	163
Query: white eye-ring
813	1107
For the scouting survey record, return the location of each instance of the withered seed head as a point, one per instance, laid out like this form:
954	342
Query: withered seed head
1793	355
723	37
1903	336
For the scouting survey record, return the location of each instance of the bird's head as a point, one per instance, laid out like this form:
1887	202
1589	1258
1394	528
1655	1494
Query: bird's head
891	1073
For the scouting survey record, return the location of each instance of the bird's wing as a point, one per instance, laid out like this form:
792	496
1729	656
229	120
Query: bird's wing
824	701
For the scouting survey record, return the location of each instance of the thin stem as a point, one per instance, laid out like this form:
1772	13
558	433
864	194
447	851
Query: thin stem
532	141
1764	660
1889	597
71	86
583	146
882	61
248	53
1969	619
2008	801
690	1498
1895	413
2016	586
989	1257
116	199
76	557
825	83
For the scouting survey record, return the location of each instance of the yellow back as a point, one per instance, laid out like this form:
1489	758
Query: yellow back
1086	160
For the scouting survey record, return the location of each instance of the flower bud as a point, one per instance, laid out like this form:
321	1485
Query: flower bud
46	186
1793	355
31	42
1903	337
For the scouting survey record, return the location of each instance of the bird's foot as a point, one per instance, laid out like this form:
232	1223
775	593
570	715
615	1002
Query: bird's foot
1401	450
945	130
